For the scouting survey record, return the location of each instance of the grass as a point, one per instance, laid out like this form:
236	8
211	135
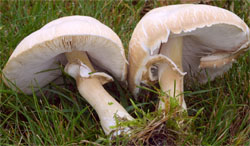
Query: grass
219	111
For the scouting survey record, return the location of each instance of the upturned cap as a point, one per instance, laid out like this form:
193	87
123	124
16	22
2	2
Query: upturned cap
212	39
37	58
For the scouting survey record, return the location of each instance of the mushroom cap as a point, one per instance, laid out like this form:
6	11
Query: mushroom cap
37	58
209	33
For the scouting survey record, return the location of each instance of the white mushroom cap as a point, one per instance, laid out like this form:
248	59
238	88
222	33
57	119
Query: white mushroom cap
207	31
35	60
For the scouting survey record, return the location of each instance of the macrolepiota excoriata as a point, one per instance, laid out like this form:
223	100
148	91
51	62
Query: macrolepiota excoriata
81	43
196	40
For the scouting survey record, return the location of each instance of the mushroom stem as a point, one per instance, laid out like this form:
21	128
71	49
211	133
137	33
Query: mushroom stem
90	87
80	55
105	105
170	80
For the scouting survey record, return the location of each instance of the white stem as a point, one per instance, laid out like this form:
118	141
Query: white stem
90	87
104	104
171	82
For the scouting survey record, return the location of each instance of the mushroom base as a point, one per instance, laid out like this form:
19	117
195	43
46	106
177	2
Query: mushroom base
171	82
107	108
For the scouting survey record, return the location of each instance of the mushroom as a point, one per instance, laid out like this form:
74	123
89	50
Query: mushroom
82	43
171	41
